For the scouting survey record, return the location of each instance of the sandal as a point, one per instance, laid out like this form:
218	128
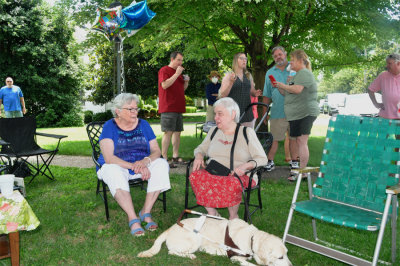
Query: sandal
151	226
178	160
138	231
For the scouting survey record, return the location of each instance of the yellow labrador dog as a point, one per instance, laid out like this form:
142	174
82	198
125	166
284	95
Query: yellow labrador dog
265	248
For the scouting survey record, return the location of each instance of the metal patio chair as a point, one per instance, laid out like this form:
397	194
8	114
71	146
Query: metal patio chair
357	185
94	130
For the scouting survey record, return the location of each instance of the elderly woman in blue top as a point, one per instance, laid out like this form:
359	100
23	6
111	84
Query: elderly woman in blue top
129	150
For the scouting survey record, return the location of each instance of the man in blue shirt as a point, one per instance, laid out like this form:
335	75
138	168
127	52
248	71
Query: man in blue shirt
13	100
278	123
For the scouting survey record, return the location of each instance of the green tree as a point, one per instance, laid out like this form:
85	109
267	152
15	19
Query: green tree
35	48
328	30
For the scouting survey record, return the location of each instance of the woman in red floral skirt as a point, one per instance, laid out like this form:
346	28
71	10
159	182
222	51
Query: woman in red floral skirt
214	191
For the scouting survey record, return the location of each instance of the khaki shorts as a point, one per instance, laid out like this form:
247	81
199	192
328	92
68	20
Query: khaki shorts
279	128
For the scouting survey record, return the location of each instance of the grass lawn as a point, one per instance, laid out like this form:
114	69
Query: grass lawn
73	228
77	142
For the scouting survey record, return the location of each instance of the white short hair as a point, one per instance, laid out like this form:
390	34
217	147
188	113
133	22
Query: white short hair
229	105
122	99
394	57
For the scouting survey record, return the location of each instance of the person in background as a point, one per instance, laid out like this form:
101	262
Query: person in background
301	105
171	92
239	86
212	90
129	150
12	98
388	83
278	122
214	191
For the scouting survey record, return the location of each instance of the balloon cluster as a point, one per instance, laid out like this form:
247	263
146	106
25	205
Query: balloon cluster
113	22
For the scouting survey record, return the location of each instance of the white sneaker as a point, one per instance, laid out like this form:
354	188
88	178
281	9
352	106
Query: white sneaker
294	165
270	166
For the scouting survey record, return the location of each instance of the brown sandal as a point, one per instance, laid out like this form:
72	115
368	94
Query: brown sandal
178	160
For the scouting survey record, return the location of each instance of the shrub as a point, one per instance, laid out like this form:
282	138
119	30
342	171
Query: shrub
191	109
87	116
104	116
70	119
189	101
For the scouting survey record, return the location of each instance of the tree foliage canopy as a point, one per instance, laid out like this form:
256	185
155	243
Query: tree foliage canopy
334	33
35	48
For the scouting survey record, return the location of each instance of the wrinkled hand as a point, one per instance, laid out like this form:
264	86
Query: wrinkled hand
240	170
179	70
198	163
145	173
140	167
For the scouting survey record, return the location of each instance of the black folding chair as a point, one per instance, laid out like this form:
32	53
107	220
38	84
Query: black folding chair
94	130
20	136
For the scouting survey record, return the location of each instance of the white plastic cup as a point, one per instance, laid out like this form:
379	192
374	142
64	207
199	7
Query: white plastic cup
7	184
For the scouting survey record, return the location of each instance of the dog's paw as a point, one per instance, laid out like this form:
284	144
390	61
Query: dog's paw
145	254
242	261
184	255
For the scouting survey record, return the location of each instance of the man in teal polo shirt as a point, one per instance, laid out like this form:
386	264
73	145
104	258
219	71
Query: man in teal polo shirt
278	123
13	100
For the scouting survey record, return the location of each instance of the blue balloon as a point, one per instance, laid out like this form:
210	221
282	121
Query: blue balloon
137	15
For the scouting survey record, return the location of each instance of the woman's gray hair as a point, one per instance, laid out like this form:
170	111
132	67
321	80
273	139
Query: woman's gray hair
121	99
229	105
394	57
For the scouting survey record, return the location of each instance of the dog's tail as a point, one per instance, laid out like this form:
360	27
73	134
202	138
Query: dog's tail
155	248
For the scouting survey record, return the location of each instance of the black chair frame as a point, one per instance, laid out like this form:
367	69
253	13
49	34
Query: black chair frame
8	147
94	130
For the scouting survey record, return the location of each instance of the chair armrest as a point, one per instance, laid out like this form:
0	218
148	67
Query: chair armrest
306	170
393	189
2	142
51	135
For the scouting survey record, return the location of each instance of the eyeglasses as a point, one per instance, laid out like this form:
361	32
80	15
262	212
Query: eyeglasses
243	58
9	81
132	110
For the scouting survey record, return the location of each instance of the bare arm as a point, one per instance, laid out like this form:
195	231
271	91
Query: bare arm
374	101
168	82
226	84
296	89
23	105
267	101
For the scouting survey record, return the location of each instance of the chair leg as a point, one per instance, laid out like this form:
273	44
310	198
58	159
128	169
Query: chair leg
259	196
382	230
394	226
290	216
105	200
164	200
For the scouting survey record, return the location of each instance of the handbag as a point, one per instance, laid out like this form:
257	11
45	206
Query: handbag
216	168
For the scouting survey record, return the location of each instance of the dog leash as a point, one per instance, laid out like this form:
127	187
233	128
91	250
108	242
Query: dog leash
199	224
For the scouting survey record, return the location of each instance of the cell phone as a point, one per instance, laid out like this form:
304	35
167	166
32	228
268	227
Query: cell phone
272	79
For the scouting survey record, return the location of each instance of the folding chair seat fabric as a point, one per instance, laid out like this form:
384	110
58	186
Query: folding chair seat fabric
358	181
94	130
20	134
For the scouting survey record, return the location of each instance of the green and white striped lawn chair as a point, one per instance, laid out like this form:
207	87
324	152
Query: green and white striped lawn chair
357	185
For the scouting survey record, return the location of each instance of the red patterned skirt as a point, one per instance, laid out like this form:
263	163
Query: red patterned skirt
217	191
